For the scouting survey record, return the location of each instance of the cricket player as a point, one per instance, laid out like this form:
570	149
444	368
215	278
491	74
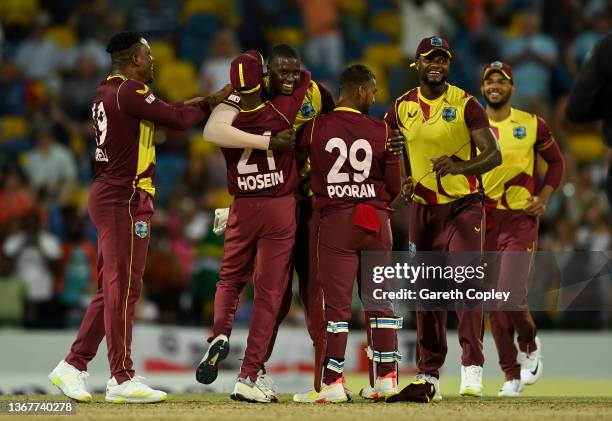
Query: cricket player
261	223
355	176
125	114
514	203
443	126
284	85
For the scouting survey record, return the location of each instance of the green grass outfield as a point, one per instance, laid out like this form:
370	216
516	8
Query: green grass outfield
558	399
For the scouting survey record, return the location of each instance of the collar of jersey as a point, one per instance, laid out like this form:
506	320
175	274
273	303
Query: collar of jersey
505	120
260	106
349	109
431	101
119	75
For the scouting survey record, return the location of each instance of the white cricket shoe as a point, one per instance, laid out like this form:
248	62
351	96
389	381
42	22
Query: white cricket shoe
132	391
246	390
71	381
217	351
330	393
471	381
511	389
384	387
531	364
265	383
432	380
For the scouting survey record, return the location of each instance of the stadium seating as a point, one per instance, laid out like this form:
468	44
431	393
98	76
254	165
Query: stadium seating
177	80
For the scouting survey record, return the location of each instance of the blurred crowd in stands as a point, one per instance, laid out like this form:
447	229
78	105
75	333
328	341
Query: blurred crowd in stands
52	56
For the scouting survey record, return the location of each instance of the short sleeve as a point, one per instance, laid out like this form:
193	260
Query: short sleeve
391	116
475	115
327	100
233	100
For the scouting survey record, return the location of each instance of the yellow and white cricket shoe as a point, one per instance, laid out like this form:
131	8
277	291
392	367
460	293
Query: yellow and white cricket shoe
71	381
511	389
471	381
435	382
133	391
384	387
531	364
246	390
330	393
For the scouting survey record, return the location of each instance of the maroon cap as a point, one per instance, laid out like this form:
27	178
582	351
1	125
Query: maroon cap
255	54
246	73
497	66
431	44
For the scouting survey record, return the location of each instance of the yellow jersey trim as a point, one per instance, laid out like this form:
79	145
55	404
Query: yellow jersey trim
349	109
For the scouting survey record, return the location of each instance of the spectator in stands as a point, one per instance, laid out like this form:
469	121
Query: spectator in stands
163	276
39	57
13	294
214	73
79	86
532	56
78	269
156	19
89	48
50	167
16	198
585	193
599	22
95	19
13	100
421	19
323	45
35	254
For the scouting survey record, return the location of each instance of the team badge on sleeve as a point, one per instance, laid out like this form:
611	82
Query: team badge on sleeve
449	113
141	228
519	132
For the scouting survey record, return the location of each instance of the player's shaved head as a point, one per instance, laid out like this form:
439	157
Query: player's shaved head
358	87
283	51
284	69
131	56
122	46
355	76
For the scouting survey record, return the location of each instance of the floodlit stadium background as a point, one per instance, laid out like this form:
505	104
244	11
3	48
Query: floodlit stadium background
51	59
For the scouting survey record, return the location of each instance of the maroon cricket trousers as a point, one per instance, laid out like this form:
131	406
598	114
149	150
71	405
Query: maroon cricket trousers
122	218
514	234
337	259
452	227
262	227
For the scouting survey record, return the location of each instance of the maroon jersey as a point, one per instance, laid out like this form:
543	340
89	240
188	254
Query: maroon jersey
254	172
347	156
125	113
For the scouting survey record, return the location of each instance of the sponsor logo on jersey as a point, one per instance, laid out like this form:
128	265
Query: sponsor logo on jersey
150	98
307	110
449	113
141	228
519	132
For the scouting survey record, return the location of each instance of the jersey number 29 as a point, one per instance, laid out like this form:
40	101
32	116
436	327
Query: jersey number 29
361	167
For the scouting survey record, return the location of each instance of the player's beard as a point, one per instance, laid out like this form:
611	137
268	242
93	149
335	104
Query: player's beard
496	105
426	80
